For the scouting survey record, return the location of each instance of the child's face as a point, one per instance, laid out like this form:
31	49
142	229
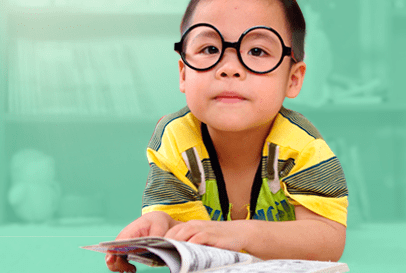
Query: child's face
229	97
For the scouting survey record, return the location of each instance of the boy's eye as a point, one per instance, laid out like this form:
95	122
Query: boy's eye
210	50
257	52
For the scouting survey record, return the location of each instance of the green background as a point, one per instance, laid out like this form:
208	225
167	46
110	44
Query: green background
83	84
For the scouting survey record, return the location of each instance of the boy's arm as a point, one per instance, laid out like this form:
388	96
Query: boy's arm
310	237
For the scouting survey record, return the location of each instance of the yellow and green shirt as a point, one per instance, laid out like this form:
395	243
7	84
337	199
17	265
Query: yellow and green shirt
297	168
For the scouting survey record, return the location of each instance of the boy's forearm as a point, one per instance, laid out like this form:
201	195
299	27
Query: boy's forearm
301	239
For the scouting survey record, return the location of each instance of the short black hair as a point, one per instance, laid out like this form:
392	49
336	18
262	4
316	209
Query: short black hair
294	18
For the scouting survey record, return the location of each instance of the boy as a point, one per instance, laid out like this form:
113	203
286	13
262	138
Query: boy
235	154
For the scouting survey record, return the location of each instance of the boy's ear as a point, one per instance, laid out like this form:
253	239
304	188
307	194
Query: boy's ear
182	75
296	78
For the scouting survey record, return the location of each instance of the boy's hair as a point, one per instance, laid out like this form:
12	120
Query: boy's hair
293	14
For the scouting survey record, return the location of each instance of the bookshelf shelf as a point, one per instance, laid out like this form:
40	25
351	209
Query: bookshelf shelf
327	111
59	25
58	118
383	108
51	12
99	9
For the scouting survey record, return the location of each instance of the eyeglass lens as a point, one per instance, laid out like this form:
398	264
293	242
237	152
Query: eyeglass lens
260	49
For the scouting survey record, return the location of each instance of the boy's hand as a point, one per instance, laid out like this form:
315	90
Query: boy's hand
227	235
155	223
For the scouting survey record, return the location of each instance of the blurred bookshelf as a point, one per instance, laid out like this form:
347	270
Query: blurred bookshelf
80	85
103	83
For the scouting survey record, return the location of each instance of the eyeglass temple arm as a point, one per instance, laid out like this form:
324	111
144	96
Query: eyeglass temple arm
178	47
288	51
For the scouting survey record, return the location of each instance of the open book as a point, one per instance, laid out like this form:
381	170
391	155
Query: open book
182	257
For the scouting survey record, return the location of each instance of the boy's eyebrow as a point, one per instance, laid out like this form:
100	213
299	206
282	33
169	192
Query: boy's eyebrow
209	33
260	35
206	33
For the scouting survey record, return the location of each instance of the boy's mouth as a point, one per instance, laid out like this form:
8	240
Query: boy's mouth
229	97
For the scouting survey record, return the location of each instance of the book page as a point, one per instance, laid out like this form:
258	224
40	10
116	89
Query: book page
199	258
178	256
171	257
136	249
286	266
133	253
140	242
182	257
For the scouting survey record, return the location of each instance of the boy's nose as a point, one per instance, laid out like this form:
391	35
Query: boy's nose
230	65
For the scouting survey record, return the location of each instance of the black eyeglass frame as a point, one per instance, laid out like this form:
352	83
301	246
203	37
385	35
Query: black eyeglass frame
286	51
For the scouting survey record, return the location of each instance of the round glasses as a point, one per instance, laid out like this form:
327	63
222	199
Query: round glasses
260	49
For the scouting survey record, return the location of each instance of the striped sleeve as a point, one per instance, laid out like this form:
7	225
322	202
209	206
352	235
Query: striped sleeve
317	182
169	187
166	192
163	188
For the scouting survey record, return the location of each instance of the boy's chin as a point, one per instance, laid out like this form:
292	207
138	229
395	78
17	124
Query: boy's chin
236	127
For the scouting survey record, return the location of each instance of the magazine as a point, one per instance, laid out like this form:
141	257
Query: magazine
182	257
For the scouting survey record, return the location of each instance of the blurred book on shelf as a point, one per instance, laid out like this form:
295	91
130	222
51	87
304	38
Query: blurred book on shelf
351	162
340	90
74	78
389	159
347	91
374	172
399	7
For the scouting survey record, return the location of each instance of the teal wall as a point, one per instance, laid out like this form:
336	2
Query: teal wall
83	84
